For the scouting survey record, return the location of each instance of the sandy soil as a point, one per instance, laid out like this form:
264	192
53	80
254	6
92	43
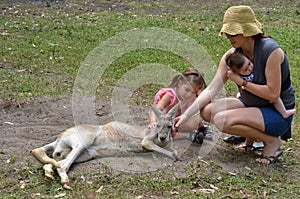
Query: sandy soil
38	122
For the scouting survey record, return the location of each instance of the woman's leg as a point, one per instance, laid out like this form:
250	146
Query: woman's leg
209	111
247	122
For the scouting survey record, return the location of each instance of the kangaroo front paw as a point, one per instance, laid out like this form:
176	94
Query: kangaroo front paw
175	155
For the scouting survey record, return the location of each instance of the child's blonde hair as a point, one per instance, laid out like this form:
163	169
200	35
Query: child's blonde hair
190	75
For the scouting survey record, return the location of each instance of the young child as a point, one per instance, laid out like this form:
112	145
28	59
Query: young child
241	65
183	89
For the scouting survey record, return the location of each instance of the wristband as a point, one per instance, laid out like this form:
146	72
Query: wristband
244	84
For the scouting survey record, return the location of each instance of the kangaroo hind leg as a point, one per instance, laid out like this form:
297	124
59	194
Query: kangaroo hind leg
41	154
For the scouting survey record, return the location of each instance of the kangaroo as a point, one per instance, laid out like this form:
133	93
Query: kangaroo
85	142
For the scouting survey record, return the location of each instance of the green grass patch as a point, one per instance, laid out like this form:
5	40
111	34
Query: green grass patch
44	44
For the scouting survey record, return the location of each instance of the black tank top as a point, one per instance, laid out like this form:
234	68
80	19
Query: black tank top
262	49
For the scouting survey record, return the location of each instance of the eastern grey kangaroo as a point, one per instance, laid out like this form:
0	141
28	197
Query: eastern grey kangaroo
85	142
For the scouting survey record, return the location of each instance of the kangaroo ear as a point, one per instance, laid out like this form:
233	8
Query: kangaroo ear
156	111
173	111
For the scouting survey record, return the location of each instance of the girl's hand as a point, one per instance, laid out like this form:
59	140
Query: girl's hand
152	125
233	76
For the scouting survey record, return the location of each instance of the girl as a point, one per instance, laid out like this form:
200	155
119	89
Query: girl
183	89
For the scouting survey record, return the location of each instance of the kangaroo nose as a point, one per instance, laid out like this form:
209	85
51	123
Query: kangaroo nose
163	138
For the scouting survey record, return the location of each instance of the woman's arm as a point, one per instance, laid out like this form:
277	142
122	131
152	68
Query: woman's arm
208	93
270	91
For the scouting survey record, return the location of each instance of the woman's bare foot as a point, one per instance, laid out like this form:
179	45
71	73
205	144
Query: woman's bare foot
270	149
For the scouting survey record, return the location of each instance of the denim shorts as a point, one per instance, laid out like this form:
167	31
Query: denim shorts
275	124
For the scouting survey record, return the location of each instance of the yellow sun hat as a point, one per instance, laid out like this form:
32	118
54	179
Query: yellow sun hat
240	20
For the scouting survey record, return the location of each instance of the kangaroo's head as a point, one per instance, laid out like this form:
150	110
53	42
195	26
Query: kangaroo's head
164	123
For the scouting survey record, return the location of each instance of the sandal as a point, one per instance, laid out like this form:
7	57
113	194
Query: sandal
234	139
270	159
207	132
199	138
196	137
244	147
256	147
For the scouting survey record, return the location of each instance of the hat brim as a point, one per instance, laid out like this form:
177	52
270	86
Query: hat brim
246	29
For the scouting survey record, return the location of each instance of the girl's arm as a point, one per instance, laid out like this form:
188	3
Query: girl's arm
161	105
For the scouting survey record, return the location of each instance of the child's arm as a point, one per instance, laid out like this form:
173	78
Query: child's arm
161	105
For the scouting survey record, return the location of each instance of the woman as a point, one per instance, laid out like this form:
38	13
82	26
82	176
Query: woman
252	115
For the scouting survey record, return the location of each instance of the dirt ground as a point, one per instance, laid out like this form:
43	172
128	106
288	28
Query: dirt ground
38	122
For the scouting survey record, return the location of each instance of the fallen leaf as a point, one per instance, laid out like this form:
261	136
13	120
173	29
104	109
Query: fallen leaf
174	193
100	189
207	190
231	173
213	187
248	168
205	162
9	123
89	182
36	194
273	190
60	195
22	184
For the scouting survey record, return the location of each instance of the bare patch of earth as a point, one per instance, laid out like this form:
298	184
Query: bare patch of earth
38	122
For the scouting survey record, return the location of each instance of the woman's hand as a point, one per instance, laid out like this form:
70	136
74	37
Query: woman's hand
178	121
234	77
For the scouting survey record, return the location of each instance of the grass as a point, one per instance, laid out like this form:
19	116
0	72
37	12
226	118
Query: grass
44	44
